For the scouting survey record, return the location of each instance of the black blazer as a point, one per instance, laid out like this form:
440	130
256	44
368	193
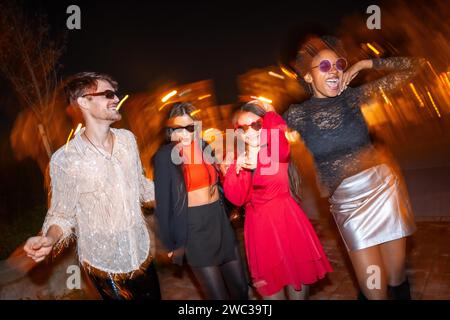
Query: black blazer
171	202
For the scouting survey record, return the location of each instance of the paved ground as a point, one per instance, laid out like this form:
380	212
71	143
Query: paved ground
428	267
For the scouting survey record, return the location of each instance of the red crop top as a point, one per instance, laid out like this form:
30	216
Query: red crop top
197	176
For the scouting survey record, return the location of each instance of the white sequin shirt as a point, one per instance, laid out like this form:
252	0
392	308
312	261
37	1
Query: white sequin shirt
97	198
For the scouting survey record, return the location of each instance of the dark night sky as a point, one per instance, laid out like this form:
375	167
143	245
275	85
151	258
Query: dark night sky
144	44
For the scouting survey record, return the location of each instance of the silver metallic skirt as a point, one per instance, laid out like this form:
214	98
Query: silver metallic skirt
371	208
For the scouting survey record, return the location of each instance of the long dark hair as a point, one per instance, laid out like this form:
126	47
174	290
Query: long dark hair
179	109
294	176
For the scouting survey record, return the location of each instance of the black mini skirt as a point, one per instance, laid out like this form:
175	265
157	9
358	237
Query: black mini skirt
210	240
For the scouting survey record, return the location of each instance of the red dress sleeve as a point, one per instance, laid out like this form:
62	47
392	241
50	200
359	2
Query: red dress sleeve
237	187
279	143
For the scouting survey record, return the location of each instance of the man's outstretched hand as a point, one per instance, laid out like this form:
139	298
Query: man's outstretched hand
37	248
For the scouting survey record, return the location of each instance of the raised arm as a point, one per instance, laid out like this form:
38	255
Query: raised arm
403	69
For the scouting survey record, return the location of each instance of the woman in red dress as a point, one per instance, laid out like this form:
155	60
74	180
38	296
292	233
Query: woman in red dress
282	248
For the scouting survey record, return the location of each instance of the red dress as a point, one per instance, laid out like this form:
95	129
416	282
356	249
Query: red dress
281	245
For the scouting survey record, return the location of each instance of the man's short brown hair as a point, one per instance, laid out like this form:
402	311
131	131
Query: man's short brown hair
79	84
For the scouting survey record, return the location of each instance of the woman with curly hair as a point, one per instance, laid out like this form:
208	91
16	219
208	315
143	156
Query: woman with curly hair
370	207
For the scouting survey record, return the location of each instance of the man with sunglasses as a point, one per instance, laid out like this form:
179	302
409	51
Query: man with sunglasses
98	185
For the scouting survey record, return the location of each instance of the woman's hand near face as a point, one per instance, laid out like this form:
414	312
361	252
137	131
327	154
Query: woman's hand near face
247	161
352	72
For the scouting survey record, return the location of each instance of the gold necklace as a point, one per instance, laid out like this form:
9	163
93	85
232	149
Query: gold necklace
102	153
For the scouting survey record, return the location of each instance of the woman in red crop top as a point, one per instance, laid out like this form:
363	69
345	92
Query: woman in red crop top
191	217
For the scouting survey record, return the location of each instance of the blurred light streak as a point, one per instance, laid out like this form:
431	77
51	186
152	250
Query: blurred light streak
289	73
261	98
374	50
204	97
193	113
165	104
434	105
68	138
168	96
292	136
276	75
210	134
445	79
77	129
432	69
121	102
185	92
386	99
416	94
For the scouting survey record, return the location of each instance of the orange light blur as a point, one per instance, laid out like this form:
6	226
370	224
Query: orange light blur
289	73
445	79
193	113
434	105
276	75
121	102
371	47
68	138
77	129
432	69
292	136
416	94
386	99
168	96
204	97
261	98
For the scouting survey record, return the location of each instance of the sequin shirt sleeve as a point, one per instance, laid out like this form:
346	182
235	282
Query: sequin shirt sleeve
63	202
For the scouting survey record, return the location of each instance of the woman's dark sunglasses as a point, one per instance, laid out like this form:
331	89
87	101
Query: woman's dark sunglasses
190	128
325	65
109	94
256	125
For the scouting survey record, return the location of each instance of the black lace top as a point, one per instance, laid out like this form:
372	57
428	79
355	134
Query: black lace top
334	129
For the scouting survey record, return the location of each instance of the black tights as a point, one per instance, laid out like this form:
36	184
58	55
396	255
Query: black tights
224	282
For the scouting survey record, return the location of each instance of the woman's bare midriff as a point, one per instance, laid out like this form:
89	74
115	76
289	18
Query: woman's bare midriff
202	196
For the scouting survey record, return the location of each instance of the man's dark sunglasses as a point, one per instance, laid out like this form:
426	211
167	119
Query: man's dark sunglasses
109	94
